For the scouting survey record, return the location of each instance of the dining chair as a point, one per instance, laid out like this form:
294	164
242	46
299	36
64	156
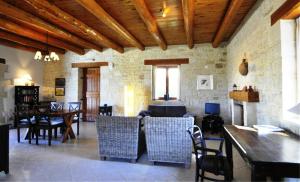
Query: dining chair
23	120
56	107
208	159
46	122
75	106
105	110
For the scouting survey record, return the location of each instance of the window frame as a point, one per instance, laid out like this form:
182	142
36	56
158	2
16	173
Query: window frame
167	81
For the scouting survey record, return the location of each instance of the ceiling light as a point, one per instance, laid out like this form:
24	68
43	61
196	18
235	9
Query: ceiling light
48	57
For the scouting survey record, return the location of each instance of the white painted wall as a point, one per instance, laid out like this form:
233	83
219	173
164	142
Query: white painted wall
19	64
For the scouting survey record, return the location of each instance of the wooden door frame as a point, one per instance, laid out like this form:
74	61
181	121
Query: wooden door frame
84	66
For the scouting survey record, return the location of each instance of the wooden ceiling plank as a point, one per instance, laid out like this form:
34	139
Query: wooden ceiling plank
288	10
228	19
28	42
93	7
16	45
18	14
29	33
52	12
188	9
150	22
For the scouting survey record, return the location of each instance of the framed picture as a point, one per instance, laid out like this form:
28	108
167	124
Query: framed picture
59	91
205	82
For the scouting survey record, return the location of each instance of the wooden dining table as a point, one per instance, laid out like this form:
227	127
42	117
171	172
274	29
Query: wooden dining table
68	117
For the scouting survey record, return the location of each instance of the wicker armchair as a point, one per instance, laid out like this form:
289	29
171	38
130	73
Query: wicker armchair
120	137
167	139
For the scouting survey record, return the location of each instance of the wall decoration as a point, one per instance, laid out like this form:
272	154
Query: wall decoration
243	68
205	82
60	84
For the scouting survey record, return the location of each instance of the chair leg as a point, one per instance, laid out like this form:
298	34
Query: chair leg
55	132
197	174
44	134
18	131
37	133
29	135
49	136
77	127
202	175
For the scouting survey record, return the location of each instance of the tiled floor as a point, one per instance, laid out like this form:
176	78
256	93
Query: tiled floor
78	160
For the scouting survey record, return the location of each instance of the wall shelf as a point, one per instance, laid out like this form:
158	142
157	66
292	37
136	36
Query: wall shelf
244	96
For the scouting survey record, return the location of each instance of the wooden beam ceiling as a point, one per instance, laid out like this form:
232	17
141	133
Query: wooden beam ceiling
20	15
17	45
93	7
188	9
150	22
29	33
54	14
28	42
228	19
288	10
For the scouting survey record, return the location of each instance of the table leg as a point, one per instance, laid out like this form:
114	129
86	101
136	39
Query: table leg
256	174
69	131
228	148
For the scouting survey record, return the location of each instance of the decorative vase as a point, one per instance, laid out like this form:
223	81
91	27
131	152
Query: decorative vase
243	68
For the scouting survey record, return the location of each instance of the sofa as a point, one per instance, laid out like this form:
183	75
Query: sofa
167	139
120	137
166	111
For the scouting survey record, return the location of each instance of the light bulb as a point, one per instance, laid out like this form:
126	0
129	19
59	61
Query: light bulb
38	56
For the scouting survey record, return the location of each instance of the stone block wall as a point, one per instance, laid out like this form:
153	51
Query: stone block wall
262	45
129	70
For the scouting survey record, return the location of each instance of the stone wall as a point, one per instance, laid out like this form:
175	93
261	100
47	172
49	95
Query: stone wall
262	45
129	70
18	64
3	69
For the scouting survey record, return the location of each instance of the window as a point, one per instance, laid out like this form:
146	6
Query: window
290	52
166	81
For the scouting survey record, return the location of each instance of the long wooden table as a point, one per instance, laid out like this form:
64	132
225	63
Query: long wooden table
68	119
273	154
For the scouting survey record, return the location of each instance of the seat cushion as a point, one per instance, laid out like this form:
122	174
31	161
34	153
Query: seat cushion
217	165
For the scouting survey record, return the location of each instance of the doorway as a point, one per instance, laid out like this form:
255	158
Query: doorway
91	93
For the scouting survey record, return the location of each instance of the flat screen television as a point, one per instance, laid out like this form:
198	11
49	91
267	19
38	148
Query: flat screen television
212	108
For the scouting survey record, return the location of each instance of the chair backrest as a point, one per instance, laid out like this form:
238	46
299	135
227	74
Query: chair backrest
74	106
57	106
105	110
42	112
22	111
197	138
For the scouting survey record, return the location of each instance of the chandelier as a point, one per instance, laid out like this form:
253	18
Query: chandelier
48	56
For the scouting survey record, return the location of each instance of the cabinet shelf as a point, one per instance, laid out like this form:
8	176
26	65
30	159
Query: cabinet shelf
245	96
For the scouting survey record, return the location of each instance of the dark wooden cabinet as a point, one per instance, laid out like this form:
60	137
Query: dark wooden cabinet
4	148
26	95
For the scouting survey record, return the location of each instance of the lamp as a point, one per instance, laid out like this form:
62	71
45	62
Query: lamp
48	57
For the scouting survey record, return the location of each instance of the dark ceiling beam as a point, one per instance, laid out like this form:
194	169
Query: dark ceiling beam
16	45
20	15
29	33
228	19
288	10
188	9
94	8
150	22
55	15
28	42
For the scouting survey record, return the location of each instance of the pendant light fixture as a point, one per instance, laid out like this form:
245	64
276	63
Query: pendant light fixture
48	57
